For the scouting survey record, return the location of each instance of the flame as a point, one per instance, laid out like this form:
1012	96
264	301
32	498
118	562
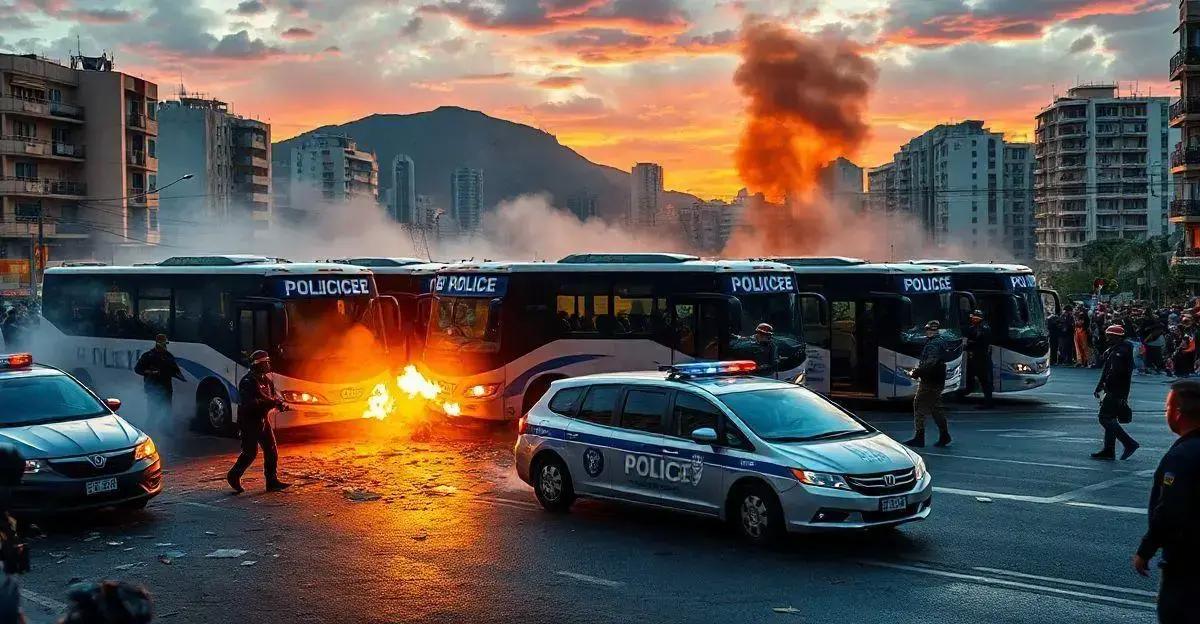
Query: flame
452	409
380	404
415	384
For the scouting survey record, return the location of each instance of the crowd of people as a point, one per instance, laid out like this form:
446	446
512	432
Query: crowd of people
16	325
1163	337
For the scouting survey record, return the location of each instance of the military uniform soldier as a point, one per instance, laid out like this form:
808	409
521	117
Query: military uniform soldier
931	381
1175	510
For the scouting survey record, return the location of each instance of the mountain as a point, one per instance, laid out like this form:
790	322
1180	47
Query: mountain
516	159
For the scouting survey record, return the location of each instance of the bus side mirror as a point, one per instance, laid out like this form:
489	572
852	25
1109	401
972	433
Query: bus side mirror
735	314
494	310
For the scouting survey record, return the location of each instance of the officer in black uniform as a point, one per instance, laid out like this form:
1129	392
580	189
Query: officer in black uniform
1175	509
979	358
767	352
257	397
1115	380
14	556
930	374
158	370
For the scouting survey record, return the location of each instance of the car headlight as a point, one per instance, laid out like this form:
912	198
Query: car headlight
1022	368
481	391
308	398
800	379
919	470
33	466
820	479
145	450
906	371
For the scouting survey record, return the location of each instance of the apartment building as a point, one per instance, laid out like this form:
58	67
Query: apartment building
402	196
842	180
1019	224
1184	115
230	159
466	196
78	159
1100	172
582	204
645	195
335	168
881	196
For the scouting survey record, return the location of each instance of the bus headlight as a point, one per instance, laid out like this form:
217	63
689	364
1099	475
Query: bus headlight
481	391
1022	368
307	398
800	379
33	466
820	479
145	450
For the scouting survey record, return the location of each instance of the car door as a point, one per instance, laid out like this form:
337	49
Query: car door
701	467
591	440
641	474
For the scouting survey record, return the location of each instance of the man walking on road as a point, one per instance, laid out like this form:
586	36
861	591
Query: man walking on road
1115	380
1174	510
979	358
258	397
158	368
931	381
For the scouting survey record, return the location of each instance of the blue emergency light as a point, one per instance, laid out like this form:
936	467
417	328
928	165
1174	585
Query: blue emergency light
692	370
16	360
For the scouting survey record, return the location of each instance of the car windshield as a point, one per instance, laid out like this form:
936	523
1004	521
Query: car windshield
38	399
791	415
463	324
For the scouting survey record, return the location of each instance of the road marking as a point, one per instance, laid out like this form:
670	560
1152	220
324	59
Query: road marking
200	505
989	580
1117	508
1103	485
997	495
595	580
1060	581
1011	461
38	599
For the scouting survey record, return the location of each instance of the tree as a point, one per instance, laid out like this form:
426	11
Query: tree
1121	263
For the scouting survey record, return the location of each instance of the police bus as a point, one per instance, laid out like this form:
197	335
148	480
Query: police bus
409	281
869	342
1013	305
500	332
322	324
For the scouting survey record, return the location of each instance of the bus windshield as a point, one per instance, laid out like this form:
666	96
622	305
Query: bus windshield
930	307
1027	315
464	324
326	339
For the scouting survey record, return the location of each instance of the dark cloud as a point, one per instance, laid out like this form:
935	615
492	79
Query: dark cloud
296	33
559	82
413	27
101	16
240	45
532	16
250	7
610	45
1082	44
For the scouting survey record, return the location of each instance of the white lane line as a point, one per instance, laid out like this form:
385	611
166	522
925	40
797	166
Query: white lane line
38	599
989	580
1061	581
995	495
1116	508
594	580
1010	461
201	505
1103	485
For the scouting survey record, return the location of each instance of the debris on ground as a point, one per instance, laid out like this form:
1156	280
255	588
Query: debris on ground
445	490
129	566
360	496
983	499
421	536
210	532
115	543
791	610
248	563
226	553
165	559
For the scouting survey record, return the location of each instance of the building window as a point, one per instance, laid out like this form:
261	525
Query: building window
151	144
25	169
24	129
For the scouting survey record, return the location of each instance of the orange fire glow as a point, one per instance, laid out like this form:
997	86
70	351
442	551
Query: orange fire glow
414	387
380	404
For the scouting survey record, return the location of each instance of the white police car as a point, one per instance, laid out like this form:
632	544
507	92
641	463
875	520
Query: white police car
708	438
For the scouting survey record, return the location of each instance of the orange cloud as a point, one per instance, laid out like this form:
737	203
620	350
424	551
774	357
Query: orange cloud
296	33
559	82
638	16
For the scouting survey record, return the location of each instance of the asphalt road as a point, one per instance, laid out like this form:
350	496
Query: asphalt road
381	528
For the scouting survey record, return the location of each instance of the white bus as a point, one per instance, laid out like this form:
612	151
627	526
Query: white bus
500	332
322	324
870	340
409	281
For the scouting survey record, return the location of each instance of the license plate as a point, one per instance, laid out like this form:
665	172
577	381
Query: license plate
101	486
895	503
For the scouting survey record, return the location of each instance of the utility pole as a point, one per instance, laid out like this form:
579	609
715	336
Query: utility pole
35	251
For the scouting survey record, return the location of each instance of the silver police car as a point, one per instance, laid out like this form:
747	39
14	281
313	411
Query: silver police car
768	456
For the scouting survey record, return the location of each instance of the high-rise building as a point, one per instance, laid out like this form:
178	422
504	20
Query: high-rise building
78	159
335	167
403	194
842	180
704	225
582	204
1185	157
425	212
645	194
1101	171
952	179
466	194
1018	190
230	157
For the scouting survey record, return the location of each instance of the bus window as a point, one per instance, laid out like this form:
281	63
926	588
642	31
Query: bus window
189	311
118	313
254	330
582	314
153	312
636	310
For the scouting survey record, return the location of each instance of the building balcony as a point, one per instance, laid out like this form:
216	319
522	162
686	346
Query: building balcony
41	108
1180	110
1185	210
139	198
142	123
250	160
41	187
1187	59
1184	159
62	109
1187	266
251	140
254	180
24	146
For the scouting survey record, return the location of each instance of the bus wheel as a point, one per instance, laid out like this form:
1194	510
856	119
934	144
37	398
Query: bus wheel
213	411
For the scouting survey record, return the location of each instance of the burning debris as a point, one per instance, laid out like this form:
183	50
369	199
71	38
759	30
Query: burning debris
413	385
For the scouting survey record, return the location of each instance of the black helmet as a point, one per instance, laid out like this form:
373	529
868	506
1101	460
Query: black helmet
12	466
259	357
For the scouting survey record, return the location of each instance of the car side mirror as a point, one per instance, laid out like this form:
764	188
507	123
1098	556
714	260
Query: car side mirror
705	435
113	403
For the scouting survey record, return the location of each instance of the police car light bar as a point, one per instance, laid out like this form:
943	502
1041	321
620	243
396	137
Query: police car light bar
710	369
16	360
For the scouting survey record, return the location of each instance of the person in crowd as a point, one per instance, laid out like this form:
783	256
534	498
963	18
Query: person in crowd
108	602
14	558
1054	333
1066	345
979	357
1173	512
1184	359
1082	355
1113	392
258	397
766	352
158	369
1155	338
11	329
931	381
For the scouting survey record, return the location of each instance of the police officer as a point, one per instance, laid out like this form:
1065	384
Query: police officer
1175	509
14	558
979	358
766	353
258	397
158	368
931	381
1114	382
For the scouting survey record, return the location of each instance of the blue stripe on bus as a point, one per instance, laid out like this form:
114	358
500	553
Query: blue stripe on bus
717	459
200	372
517	386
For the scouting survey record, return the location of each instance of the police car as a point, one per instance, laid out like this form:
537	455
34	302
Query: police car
708	438
79	454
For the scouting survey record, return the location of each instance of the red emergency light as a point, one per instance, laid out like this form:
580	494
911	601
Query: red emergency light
16	360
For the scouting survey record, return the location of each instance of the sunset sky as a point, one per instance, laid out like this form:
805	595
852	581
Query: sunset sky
619	81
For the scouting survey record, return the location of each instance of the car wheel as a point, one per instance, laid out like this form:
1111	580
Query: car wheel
214	412
758	516
552	484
